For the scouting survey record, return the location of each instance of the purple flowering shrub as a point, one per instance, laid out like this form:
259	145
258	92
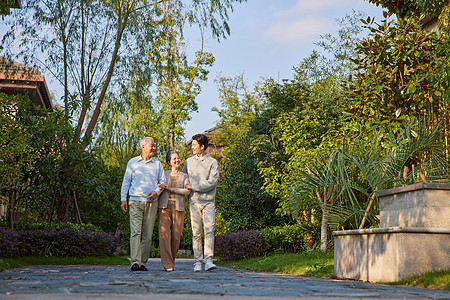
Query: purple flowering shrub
239	245
247	244
8	242
61	242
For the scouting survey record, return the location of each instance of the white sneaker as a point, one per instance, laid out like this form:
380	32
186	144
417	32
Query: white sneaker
169	270
197	268
209	266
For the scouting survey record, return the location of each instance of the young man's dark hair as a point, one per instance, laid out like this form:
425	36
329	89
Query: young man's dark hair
202	140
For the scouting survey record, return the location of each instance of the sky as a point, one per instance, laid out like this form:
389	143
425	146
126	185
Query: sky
268	38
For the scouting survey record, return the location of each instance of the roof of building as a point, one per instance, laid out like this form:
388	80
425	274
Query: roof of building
16	78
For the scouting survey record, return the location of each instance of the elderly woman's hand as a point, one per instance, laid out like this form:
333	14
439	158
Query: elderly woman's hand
162	186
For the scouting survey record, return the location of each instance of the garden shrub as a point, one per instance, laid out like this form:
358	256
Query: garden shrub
239	245
56	226
8	242
284	239
56	242
247	244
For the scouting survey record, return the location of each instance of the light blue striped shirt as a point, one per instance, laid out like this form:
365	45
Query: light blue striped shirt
141	178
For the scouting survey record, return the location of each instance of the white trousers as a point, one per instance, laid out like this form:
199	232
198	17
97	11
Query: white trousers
203	213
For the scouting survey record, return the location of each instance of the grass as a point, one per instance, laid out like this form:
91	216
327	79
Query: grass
433	280
17	262
309	263
321	264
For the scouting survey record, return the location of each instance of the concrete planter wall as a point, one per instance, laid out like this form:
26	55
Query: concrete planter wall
414	236
418	205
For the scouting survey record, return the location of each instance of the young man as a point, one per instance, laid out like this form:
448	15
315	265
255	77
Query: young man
203	171
142	175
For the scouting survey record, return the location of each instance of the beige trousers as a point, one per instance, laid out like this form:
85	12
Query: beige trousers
142	220
203	213
170	223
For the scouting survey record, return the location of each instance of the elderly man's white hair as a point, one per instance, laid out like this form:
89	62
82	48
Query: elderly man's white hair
146	140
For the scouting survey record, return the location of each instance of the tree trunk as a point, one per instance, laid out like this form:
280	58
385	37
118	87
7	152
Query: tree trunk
363	221
11	209
122	23
324	226
63	208
324	230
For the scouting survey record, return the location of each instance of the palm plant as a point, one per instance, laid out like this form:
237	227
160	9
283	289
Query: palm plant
345	184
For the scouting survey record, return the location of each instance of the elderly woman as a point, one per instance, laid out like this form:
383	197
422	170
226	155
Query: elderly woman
171	210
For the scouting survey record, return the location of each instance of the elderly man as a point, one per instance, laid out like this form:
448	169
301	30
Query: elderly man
142	176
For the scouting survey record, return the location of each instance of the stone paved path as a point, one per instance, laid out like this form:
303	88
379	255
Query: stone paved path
118	282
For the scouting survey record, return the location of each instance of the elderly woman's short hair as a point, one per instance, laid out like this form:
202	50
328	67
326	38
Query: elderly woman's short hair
169	155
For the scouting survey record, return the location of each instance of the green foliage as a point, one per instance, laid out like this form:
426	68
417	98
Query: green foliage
242	202
157	93
5	7
29	140
240	199
278	128
35	167
176	80
393	80
410	8
57	226
351	176
125	120
284	239
100	202
304	116
266	146
16	153
239	108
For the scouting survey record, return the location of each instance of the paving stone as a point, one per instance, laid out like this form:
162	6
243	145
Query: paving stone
112	282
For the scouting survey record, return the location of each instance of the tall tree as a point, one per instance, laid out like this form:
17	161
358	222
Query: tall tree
175	78
393	64
80	42
239	108
407	8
